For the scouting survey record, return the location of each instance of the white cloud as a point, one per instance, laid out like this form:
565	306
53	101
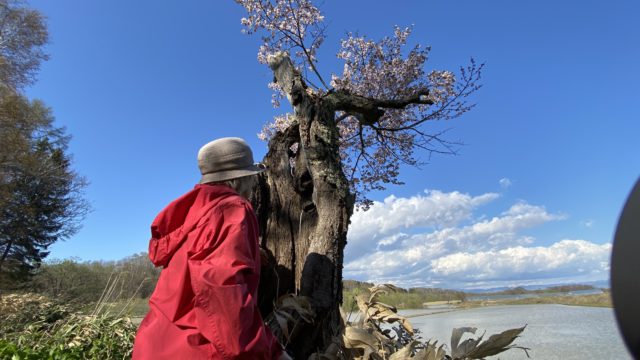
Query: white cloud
564	258
505	183
435	209
439	240
485	234
391	240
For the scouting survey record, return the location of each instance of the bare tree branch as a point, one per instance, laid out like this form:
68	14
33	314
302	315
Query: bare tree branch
371	110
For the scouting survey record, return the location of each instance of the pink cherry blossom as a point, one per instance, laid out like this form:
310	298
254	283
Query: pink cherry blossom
382	71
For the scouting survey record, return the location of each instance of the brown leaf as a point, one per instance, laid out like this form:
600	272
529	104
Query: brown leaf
382	289
497	343
297	304
384	314
359	338
456	335
404	353
429	352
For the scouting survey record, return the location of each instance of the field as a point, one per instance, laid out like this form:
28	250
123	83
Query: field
596	300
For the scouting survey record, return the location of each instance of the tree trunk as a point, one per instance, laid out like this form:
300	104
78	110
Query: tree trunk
304	205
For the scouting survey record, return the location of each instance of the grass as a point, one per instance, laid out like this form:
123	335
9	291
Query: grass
134	308
594	300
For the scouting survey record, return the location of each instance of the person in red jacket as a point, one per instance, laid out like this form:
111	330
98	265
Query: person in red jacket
204	305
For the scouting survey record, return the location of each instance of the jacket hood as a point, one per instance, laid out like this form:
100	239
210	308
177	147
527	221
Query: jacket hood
172	225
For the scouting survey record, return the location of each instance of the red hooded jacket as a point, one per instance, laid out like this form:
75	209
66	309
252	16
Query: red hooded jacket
205	303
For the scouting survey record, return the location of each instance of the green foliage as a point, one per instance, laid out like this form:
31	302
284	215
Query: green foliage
24	34
408	299
77	337
71	280
35	327
84	282
40	195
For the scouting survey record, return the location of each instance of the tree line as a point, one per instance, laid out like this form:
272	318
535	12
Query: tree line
412	298
85	282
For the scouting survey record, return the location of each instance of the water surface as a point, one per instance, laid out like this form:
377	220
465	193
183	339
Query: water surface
553	331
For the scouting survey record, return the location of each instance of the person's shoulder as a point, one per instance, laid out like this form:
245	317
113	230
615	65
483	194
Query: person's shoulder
231	200
234	207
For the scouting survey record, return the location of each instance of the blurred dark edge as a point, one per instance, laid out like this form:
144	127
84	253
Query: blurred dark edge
625	272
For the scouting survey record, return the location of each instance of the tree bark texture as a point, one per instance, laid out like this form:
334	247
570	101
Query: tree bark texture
303	206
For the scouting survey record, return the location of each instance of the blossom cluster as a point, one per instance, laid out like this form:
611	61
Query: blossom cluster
287	25
441	86
379	69
279	124
384	70
277	95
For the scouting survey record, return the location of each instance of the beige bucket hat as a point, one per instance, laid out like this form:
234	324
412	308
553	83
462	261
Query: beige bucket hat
225	159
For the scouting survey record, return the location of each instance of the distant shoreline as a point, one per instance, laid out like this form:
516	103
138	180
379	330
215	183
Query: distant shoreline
593	300
436	298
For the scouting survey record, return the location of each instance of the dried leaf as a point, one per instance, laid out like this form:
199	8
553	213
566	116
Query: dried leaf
360	339
440	353
363	306
456	335
381	312
382	289
425	354
498	343
466	347
404	353
430	352
383	305
298	304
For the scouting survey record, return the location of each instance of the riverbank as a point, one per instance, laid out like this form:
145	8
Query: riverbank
602	300
593	300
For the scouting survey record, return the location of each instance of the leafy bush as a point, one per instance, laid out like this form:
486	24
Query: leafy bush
52	332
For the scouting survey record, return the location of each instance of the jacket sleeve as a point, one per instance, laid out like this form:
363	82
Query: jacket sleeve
224	277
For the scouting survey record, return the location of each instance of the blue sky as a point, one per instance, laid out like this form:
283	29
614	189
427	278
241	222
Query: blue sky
141	85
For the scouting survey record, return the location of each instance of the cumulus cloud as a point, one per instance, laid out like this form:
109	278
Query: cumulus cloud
561	259
382	223
439	240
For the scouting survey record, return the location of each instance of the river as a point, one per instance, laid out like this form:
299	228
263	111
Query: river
553	331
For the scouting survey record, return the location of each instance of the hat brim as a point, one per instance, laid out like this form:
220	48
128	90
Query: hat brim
225	175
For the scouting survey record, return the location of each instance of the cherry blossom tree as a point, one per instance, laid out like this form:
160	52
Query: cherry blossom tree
346	135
